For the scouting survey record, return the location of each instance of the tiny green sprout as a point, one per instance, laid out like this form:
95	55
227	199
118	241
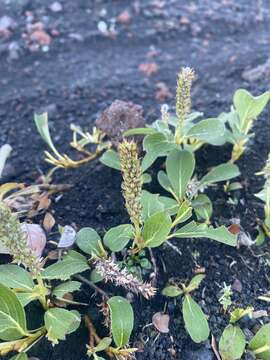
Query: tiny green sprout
195	320
225	299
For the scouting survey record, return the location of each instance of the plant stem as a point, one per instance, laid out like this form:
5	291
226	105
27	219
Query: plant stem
92	285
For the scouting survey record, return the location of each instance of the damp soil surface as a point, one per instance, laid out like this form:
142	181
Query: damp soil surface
86	54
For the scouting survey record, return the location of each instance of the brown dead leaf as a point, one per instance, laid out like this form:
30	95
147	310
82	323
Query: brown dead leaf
41	37
124	17
163	93
44	202
184	20
161	322
36	238
48	222
148	69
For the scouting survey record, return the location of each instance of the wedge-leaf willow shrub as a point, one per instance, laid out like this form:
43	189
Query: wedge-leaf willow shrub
29	281
154	220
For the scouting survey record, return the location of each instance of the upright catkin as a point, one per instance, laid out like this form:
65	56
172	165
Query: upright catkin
132	180
183	93
14	239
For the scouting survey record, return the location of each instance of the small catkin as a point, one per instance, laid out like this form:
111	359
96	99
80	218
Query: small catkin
110	271
14	239
132	180
183	93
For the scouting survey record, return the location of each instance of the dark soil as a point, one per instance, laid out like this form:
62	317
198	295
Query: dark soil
81	72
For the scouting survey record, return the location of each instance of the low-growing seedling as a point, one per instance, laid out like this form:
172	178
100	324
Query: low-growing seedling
195	320
225	298
233	342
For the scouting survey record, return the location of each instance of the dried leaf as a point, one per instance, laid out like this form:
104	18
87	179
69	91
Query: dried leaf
148	68
68	237
161	322
44	202
48	222
36	238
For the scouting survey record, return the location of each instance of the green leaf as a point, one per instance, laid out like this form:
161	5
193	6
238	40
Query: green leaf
103	344
157	144
195	283
71	264
208	130
195	320
139	131
151	204
171	206
21	356
184	212
156	229
232	343
111	159
41	121
122	320
220	234
89	241
15	277
172	291
202	206
26	297
221	172
179	167
260	238
95	276
64	288
164	181
59	323
12	316
148	160
118	237
261	339
249	107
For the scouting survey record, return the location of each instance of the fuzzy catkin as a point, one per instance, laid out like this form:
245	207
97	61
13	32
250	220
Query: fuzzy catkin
110	271
183	93
132	180
14	239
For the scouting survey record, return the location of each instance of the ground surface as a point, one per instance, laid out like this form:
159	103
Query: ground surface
74	70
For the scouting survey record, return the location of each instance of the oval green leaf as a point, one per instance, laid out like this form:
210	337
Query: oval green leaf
15	277
195	320
88	241
60	322
12	316
232	343
180	166
222	172
260	340
156	229
118	237
122	320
